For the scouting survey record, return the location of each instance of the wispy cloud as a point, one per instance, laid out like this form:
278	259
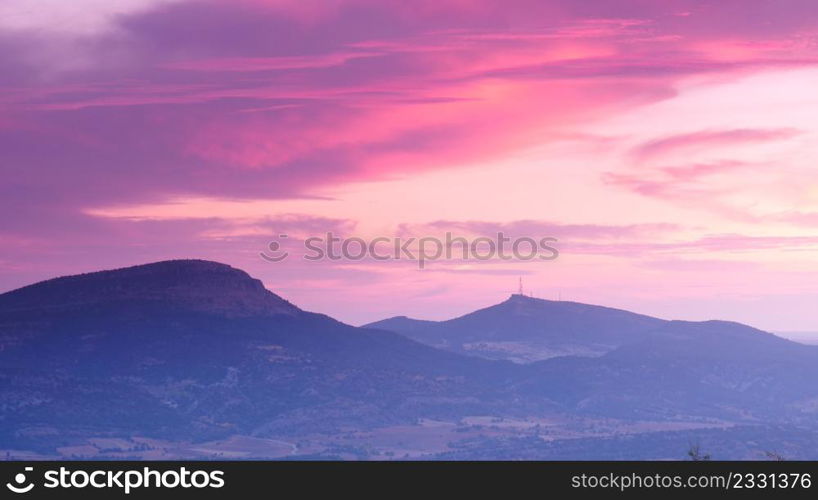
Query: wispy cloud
695	141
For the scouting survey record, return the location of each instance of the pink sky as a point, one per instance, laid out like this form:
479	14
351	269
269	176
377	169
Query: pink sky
669	146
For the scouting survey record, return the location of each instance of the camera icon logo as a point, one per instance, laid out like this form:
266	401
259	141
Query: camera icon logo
20	485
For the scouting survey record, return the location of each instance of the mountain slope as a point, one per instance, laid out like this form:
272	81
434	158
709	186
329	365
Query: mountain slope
708	369
524	329
194	349
602	361
194	285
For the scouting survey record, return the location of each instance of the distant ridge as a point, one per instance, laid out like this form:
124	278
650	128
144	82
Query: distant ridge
526	329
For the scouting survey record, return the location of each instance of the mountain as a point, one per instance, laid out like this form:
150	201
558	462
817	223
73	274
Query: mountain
188	358
608	361
195	350
193	285
525	329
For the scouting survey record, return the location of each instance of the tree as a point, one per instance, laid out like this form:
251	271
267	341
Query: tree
696	454
774	456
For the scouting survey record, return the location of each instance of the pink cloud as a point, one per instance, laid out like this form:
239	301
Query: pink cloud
697	141
539	228
693	172
682	182
248	64
727	245
808	219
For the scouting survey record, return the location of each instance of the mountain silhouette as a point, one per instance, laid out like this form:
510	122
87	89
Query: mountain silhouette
614	362
194	285
525	329
196	349
192	350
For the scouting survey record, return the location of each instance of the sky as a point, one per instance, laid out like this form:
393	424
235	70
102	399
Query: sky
669	147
